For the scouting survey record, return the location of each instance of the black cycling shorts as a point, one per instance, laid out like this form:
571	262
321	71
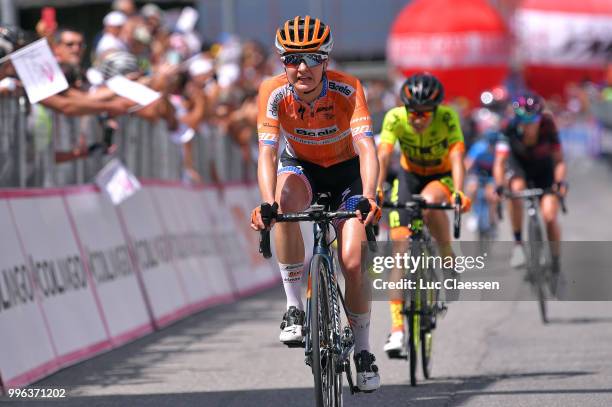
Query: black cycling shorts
342	181
538	176
408	184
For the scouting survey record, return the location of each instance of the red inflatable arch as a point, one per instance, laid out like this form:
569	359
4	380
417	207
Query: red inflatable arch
464	42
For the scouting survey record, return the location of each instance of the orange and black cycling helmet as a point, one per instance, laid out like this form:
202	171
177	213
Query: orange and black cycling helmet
304	34
422	90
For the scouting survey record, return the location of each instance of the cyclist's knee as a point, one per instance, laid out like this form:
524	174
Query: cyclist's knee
352	268
549	216
490	194
436	192
400	233
550	207
517	184
292	195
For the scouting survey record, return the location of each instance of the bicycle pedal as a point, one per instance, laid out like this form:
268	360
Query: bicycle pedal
295	344
396	354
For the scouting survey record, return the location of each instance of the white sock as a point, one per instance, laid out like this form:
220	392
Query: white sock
292	282
361	329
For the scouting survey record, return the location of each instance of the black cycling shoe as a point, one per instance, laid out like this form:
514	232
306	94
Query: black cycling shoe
291	327
368	379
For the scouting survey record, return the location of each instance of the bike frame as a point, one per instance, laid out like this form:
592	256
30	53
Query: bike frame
321	248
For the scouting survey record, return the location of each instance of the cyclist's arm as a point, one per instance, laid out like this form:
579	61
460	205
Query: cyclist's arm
363	137
557	155
502	151
368	164
456	151
473	155
457	168
560	169
388	138
384	158
268	130
266	172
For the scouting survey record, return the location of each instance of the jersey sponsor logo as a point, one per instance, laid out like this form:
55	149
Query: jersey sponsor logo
345	193
391	122
327	131
426	156
448	121
325	108
275	97
341	88
317	142
267	136
360	119
266	124
361	129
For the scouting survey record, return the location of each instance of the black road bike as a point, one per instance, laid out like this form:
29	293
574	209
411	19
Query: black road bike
539	263
422	305
327	344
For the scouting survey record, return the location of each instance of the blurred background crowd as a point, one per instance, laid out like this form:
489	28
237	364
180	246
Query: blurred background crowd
203	128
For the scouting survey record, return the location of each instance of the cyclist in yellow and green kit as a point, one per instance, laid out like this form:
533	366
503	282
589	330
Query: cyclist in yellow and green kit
432	147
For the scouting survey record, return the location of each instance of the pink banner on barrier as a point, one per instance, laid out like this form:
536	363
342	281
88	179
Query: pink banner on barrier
248	267
162	253
27	352
109	264
68	294
151	248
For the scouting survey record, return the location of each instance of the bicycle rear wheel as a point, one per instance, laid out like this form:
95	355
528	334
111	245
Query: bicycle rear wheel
327	374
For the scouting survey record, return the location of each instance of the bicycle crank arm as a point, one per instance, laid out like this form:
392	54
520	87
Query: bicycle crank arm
346	352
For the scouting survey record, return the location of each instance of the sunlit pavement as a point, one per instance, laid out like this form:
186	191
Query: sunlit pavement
486	354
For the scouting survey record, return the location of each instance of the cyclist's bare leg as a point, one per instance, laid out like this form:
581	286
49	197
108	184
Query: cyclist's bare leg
292	195
517	184
471	187
437	221
400	236
358	294
491	198
549	206
351	234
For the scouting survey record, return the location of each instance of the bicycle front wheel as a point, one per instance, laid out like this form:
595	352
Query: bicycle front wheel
327	374
413	323
427	325
535	268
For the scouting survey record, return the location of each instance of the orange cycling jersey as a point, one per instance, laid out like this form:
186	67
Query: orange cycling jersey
321	132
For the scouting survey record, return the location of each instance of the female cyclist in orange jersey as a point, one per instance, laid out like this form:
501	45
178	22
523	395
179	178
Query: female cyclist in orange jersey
323	118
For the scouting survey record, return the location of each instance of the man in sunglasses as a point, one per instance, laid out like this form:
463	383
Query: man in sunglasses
432	150
529	154
323	118
69	46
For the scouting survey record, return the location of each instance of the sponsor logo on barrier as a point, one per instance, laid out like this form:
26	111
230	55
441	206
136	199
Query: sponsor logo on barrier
15	287
57	277
110	265
163	249
243	221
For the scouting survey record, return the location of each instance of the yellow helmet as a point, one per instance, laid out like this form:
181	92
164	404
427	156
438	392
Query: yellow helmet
304	34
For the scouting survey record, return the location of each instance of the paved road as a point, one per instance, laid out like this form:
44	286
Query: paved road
486	353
